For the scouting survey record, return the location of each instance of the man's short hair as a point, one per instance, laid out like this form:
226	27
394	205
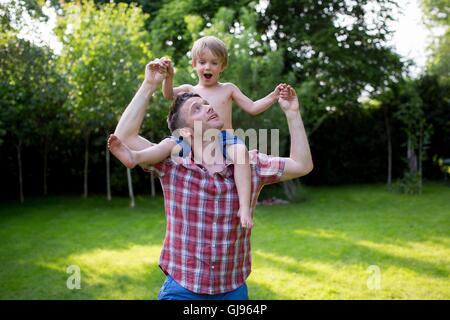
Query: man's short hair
217	47
174	121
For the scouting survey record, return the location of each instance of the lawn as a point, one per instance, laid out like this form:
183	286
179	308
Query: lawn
323	248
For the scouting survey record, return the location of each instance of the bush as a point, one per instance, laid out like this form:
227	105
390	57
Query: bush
411	183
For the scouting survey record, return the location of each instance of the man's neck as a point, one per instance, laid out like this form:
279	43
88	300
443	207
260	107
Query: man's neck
208	153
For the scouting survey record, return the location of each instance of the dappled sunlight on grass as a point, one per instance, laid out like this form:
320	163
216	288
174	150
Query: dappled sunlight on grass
120	273
318	249
291	279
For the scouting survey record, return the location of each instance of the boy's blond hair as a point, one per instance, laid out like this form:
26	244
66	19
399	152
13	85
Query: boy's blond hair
212	43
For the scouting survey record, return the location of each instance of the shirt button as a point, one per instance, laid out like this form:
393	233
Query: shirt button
212	267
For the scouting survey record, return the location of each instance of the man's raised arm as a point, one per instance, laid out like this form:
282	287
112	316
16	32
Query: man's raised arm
130	122
300	161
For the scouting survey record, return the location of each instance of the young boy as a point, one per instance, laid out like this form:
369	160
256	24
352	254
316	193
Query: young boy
209	59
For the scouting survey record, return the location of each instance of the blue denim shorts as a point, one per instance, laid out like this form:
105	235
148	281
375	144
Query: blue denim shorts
172	290
225	139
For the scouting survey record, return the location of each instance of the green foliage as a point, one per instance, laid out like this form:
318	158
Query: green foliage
332	44
103	58
172	27
32	92
437	13
410	183
305	43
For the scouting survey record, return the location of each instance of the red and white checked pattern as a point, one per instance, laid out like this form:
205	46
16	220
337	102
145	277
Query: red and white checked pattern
205	248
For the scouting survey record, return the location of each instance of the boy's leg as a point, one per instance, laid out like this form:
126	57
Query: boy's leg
130	158
236	152
121	151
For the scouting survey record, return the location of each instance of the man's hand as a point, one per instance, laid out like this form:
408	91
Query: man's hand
155	72
288	99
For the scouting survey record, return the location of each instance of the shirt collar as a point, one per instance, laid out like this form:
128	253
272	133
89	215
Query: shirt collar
189	163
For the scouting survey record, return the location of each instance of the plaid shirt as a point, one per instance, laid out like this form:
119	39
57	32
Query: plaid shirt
205	248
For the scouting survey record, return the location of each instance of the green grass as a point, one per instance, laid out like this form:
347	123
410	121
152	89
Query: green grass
318	249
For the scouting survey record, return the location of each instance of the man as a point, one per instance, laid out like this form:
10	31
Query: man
206	252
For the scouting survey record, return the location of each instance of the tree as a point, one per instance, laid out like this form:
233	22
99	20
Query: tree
104	54
405	99
31	96
339	46
437	15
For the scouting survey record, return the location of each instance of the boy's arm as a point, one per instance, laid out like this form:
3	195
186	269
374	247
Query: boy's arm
169	92
253	107
300	161
127	129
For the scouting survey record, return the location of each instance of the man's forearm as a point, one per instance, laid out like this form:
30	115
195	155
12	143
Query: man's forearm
300	151
131	119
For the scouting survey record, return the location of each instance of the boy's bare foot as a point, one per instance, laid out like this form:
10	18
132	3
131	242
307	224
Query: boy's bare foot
121	151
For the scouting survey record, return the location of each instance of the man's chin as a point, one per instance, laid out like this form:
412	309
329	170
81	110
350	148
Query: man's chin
215	124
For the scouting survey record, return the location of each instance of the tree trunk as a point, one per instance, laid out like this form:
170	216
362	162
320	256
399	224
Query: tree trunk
86	162
420	156
130	188
290	188
45	165
152	183
108	174
389	149
411	156
19	162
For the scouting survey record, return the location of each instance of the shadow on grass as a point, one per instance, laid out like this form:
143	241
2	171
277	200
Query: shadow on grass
330	227
325	245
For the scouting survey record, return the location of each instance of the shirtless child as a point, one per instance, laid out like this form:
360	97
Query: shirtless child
209	59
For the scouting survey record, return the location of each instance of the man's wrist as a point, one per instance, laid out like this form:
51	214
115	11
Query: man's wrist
291	113
148	87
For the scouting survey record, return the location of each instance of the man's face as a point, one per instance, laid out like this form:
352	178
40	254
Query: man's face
208	67
198	109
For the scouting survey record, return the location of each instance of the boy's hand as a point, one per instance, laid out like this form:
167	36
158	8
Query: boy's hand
168	67
276	92
155	72
288	99
245	215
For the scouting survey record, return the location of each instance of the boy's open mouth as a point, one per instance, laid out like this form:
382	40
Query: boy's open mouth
207	75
